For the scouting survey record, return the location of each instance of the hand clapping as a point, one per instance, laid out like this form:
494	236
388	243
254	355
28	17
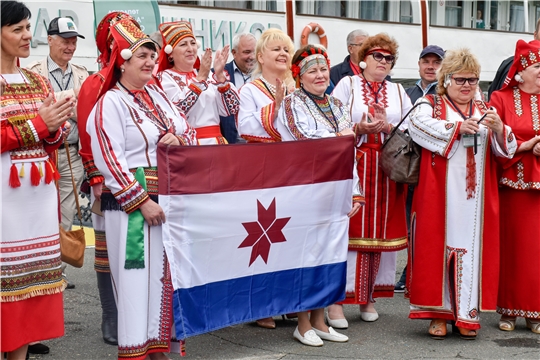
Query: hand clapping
54	115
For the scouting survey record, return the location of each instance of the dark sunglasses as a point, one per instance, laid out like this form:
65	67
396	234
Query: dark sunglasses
379	57
461	81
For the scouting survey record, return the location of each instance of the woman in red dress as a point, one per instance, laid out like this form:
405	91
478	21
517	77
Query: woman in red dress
517	104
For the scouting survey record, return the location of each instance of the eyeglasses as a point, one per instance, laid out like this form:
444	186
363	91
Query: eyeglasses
379	57
461	81
355	44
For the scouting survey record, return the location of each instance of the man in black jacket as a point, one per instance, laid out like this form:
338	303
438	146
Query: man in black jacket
428	64
349	66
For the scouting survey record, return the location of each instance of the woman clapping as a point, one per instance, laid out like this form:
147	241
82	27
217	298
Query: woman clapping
203	96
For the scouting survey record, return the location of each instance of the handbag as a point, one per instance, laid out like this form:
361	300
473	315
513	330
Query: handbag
400	155
73	243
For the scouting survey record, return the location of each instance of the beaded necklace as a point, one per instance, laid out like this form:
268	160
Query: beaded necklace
271	88
324	108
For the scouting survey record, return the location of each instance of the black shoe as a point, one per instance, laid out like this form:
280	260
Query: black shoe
70	286
38	349
400	287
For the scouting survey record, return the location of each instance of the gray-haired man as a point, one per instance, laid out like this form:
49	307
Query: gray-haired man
349	66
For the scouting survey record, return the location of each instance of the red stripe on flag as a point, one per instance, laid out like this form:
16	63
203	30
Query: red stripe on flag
222	168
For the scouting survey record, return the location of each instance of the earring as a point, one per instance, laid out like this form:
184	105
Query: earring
519	79
362	65
170	59
122	70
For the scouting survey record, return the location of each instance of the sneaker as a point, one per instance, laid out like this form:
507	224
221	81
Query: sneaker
400	287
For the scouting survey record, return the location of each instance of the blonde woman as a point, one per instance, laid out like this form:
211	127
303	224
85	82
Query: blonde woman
260	100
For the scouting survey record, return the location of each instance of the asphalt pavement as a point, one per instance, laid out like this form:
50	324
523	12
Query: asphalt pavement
393	336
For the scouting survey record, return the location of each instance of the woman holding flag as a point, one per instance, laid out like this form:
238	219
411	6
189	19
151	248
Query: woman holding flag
308	113
125	127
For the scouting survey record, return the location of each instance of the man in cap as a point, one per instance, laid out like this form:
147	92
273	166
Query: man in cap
428	64
66	79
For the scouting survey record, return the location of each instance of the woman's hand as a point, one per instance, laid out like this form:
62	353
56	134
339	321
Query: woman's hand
529	144
493	121
354	210
365	127
346	132
536	149
206	65
219	63
152	213
469	126
54	115
97	189
169	139
280	94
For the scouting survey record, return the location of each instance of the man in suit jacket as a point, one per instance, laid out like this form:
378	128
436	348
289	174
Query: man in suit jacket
349	66
239	70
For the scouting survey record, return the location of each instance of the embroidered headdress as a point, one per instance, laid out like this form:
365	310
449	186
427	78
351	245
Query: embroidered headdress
527	54
103	34
128	37
307	57
173	33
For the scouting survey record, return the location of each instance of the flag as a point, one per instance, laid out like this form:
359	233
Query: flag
255	230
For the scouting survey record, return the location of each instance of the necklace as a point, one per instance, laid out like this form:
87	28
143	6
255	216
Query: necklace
332	121
271	88
156	115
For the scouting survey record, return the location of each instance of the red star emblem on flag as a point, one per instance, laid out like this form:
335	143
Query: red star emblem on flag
264	232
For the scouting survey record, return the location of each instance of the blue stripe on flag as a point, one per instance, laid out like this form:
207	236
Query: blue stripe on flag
217	305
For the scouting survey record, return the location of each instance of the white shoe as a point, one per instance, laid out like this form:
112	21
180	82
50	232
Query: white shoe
310	338
369	316
331	335
338	323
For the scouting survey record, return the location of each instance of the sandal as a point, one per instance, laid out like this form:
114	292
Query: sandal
466	334
507	323
437	329
534	325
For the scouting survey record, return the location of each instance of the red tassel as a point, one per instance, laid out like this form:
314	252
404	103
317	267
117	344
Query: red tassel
49	172
35	178
471	173
56	173
14	181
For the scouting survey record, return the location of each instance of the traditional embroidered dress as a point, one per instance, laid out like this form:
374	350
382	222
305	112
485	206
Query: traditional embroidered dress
125	129
32	285
379	229
256	116
519	281
455	233
202	102
304	116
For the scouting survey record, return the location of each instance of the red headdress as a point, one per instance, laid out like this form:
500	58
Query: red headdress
173	33
103	35
527	54
312	55
128	37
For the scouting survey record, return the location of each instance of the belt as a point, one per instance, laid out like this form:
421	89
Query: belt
206	132
63	145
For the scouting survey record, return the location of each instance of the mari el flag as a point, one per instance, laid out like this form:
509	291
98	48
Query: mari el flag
255	230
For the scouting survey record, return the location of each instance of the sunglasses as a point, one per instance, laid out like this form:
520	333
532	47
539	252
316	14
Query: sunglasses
461	81
379	57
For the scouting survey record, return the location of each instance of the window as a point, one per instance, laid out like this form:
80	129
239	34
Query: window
405	12
517	17
374	10
452	15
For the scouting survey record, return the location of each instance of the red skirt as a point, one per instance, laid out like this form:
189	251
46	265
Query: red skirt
519	279
34	319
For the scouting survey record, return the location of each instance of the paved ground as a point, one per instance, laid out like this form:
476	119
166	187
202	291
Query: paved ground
393	336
